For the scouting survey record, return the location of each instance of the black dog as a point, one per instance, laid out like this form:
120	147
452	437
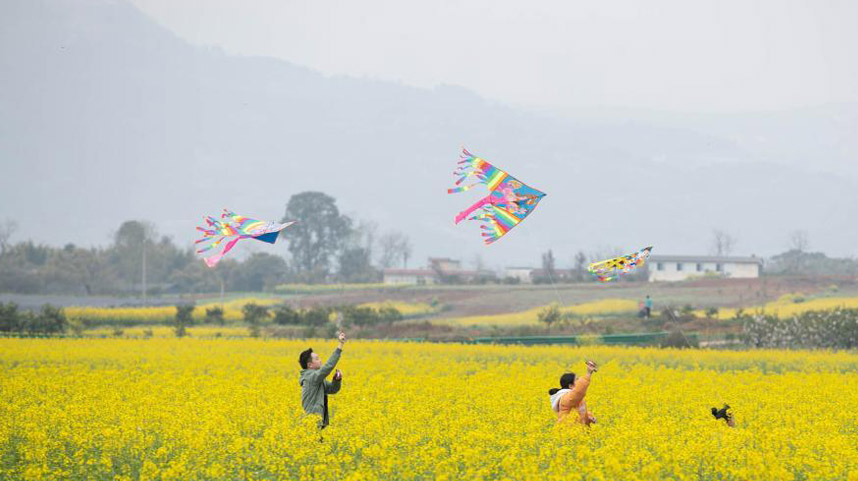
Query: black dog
722	413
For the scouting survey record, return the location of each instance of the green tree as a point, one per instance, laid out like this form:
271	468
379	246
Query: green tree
259	272
10	317
131	244
318	237
52	319
284	315
389	314
254	316
355	266
316	316
214	315
550	315
184	319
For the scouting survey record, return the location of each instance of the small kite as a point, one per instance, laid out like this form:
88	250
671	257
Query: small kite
232	228
508	203
612	269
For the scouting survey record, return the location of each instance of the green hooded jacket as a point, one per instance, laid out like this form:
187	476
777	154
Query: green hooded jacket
315	389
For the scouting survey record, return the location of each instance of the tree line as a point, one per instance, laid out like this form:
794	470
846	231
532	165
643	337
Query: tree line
324	246
52	320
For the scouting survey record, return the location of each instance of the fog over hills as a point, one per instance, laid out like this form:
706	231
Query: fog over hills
106	116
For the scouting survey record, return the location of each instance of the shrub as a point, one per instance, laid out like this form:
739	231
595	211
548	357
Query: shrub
214	315
184	318
254	315
284	315
835	329
550	315
677	339
317	316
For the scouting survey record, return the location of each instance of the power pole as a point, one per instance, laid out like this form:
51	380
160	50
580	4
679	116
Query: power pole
221	292
144	273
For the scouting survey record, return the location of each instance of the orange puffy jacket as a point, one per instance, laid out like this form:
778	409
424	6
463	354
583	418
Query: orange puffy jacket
574	401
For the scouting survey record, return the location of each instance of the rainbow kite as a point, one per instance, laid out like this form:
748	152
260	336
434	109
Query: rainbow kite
508	203
612	269
233	227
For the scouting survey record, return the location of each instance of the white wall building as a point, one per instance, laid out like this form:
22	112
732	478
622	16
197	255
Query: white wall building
680	268
523	274
415	277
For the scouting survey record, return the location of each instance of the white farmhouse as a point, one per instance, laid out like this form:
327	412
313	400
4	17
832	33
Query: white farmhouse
680	268
523	274
415	277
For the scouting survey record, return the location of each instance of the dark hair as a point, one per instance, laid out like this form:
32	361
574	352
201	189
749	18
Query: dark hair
304	358
566	380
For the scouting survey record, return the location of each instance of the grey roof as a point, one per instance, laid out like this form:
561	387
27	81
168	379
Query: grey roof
712	259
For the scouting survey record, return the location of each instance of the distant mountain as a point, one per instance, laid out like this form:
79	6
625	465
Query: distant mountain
106	116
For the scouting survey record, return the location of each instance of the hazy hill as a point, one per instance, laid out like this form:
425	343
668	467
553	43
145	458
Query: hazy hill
106	116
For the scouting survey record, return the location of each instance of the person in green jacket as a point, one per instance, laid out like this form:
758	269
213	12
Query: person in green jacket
314	387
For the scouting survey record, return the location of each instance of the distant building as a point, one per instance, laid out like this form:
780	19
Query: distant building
444	264
440	270
556	275
680	268
523	274
414	277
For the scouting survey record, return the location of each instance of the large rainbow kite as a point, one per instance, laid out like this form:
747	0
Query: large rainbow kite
508	203
232	228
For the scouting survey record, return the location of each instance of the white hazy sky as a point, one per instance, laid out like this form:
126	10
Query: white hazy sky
680	55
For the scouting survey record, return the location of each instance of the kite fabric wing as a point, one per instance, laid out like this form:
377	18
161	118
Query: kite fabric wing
231	228
508	203
612	269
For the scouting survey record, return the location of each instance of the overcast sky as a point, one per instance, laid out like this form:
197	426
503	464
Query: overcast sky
678	55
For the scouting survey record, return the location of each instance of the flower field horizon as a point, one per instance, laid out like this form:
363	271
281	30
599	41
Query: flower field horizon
224	409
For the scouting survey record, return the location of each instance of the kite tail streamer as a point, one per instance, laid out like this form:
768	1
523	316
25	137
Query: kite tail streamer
213	260
470	166
478	205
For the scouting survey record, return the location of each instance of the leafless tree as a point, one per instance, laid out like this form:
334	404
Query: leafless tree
479	265
365	236
798	241
7	229
605	252
722	243
394	247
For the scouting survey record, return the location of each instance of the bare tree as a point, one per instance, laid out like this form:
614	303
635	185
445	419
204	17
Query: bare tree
580	264
548	264
7	229
479	265
722	243
798	241
605	252
365	235
798	245
394	247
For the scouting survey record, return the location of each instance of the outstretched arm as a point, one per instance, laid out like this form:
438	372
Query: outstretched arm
329	366
579	390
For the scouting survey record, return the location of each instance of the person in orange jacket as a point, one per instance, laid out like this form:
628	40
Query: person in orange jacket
570	397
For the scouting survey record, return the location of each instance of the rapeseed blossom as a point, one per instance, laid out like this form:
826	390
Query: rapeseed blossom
224	409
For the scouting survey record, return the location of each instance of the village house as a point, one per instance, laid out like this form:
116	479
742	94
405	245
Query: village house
440	270
679	268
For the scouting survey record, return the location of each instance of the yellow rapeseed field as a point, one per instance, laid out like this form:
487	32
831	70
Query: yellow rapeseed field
601	307
792	304
203	331
192	409
162	314
154	315
407	309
